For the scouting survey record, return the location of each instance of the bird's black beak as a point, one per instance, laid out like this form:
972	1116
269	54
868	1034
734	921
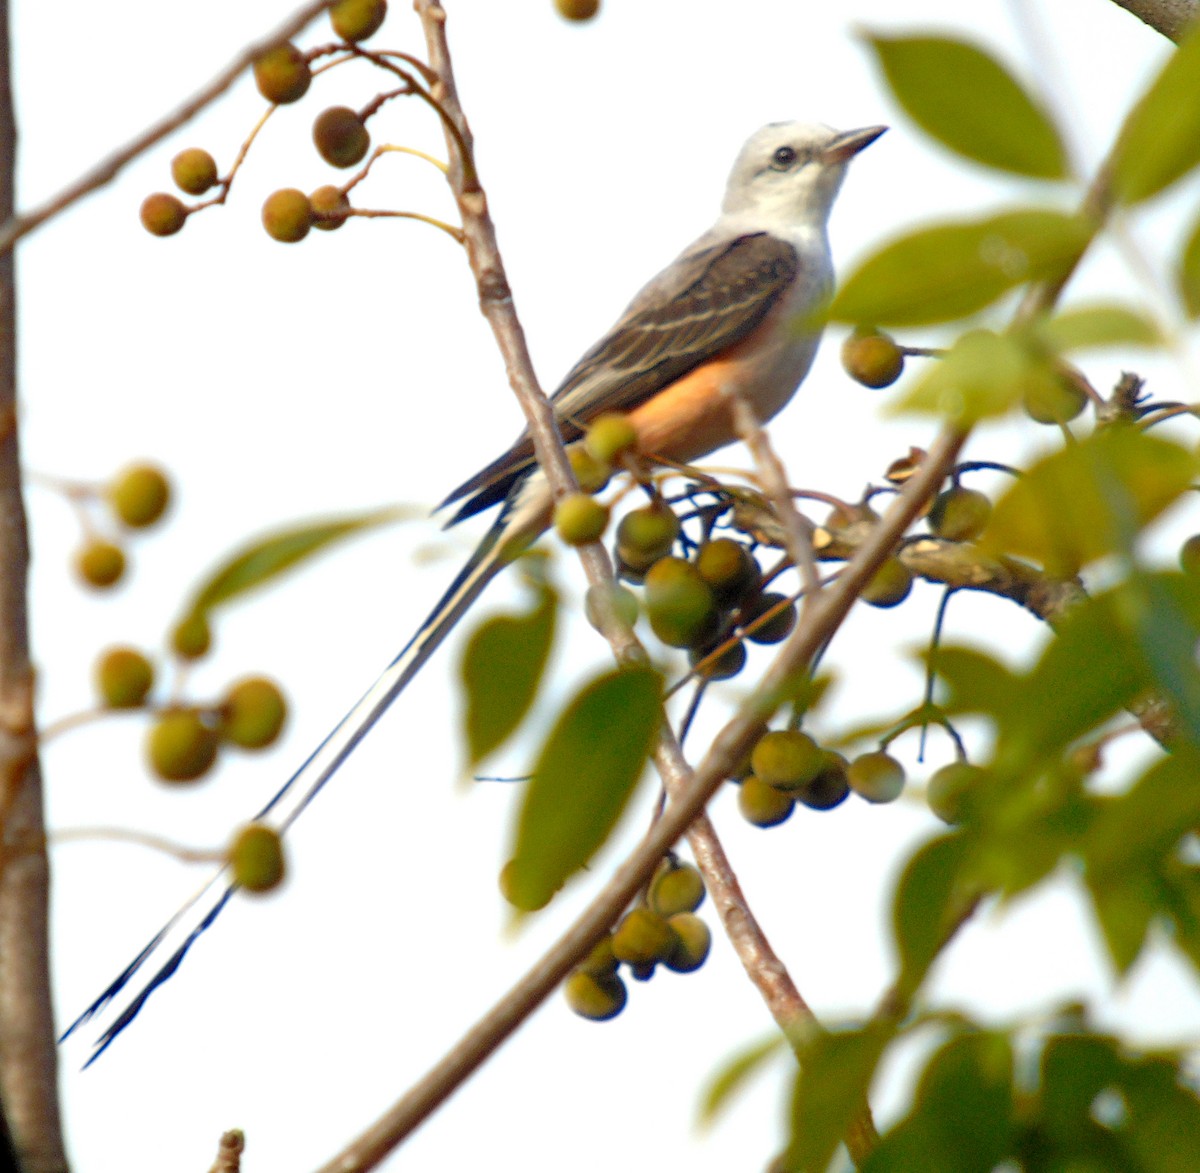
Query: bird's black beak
850	142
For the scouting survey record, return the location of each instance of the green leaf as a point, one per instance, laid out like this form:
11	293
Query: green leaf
502	668
978	682
1088	327
970	103
933	894
1187	276
1160	141
583	778
274	554
950	270
983	374
830	1091
1125	908
1088	500
732	1076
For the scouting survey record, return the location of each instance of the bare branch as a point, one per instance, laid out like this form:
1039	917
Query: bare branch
14	227
28	1059
1169	17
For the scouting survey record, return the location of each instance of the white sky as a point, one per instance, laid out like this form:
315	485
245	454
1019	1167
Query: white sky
281	382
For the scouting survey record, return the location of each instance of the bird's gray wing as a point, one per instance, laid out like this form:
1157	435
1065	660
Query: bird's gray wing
706	301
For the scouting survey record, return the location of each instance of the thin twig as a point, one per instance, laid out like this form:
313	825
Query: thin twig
14	227
1169	17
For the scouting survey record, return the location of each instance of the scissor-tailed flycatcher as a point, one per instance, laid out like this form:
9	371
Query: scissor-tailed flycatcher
730	314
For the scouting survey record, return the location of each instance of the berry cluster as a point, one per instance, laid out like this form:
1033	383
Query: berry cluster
663	930
134	499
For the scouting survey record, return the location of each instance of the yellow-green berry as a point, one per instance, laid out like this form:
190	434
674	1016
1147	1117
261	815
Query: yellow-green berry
330	208
253	713
590	474
889	586
579	518
876	776
282	74
255	858
287	215
676	887
645	535
693	939
181	746
787	759
124	678
194	171
872	358
642	938
729	568
139	495
960	514
356	20
601	961
192	636
597	998
724	667
830	787
679	603
1053	399
163	214
761	804
950	790
577	10
610	437
100	564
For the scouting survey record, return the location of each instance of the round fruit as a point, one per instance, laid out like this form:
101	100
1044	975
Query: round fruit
876	776
124	678
948	791
830	787
194	171
192	637
330	208
340	137
610	437
579	519
676	887
761	804
356	20
1054	400
645	535
1189	555
100	564
960	514
287	215
601	961
872	358
597	998
181	746
693	941
577	9
139	496
890	585
255	858
163	214
770	631
624	602
729	568
643	937
787	759
725	667
282	74
590	474
679	603
252	713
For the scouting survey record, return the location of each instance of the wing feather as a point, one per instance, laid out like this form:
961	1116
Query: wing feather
704	303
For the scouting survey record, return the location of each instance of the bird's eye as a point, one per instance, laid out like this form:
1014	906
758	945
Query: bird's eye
783	158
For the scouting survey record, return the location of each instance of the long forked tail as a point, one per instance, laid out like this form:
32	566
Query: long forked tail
493	553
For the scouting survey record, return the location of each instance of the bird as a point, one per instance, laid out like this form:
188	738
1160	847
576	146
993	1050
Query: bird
735	313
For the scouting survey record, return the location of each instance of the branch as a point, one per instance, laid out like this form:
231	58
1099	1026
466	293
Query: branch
14	227
28	1058
1169	17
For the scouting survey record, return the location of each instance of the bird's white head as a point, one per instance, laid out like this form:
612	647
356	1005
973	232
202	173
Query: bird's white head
788	173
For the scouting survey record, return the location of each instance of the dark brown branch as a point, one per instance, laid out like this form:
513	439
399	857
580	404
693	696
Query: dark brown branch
1169	17
14	227
28	1059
